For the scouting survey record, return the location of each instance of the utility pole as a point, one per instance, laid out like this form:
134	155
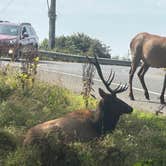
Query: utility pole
52	19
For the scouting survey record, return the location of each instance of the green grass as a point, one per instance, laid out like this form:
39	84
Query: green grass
139	138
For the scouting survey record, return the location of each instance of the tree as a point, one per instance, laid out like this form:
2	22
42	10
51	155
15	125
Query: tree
80	44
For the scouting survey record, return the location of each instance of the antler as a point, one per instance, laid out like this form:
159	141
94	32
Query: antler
120	88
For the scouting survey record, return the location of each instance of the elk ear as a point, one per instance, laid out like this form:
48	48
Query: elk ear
102	93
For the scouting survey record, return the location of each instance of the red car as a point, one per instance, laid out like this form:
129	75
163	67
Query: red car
16	39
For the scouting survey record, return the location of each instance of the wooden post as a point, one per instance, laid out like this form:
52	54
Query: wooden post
52	19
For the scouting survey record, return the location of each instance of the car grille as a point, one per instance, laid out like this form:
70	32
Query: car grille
4	42
4	46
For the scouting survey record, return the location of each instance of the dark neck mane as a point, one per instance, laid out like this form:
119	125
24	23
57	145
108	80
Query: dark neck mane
101	124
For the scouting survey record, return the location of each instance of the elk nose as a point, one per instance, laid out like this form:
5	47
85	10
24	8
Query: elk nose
130	109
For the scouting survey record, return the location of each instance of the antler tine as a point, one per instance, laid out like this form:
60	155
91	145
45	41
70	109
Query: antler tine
121	88
98	68
118	87
111	77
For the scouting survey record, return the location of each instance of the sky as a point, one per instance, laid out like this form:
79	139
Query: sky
113	22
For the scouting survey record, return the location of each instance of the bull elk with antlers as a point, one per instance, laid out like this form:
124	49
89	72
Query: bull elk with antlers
87	124
151	49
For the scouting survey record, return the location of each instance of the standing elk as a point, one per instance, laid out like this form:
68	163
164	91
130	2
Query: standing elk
86	125
151	49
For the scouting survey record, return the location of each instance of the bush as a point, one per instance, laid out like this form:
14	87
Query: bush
53	151
7	86
23	157
79	44
8	144
7	141
43	103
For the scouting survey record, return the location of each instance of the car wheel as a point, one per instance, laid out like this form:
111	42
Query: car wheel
17	55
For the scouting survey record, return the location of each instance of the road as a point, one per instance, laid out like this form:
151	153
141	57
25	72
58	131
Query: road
70	76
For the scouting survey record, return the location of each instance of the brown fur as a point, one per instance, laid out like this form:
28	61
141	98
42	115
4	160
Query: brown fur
76	125
151	49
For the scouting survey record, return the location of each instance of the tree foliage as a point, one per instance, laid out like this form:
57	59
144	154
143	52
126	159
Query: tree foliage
80	44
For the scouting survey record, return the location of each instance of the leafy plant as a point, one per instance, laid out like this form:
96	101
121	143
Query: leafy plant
88	75
79	44
28	71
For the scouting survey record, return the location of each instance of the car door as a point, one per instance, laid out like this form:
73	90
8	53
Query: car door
34	38
31	42
26	41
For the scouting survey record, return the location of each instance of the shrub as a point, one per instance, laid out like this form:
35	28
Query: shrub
79	44
8	143
23	157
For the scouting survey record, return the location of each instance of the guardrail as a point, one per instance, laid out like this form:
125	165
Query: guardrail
57	56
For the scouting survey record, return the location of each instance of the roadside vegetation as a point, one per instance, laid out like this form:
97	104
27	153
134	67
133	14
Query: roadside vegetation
79	44
139	138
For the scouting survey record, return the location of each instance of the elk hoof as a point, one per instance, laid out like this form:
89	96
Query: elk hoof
147	95
131	97
162	101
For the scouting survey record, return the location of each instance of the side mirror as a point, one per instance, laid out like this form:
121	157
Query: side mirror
25	34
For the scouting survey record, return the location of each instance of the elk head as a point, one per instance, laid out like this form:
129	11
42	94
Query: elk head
110	106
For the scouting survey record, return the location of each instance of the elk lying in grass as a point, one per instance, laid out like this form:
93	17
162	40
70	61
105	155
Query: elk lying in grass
151	49
87	124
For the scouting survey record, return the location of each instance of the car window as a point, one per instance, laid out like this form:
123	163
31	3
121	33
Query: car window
28	30
33	32
9	30
24	29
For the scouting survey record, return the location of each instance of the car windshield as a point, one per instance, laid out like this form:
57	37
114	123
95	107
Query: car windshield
9	29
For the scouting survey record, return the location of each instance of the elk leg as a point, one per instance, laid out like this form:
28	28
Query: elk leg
131	74
141	74
163	91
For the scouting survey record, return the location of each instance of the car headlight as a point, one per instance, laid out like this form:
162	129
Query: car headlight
11	51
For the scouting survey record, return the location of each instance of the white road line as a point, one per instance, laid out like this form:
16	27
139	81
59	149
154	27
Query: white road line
79	76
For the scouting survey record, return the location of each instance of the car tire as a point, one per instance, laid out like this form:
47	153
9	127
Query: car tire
17	55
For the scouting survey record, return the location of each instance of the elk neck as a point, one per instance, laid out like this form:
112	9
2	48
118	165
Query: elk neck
104	121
